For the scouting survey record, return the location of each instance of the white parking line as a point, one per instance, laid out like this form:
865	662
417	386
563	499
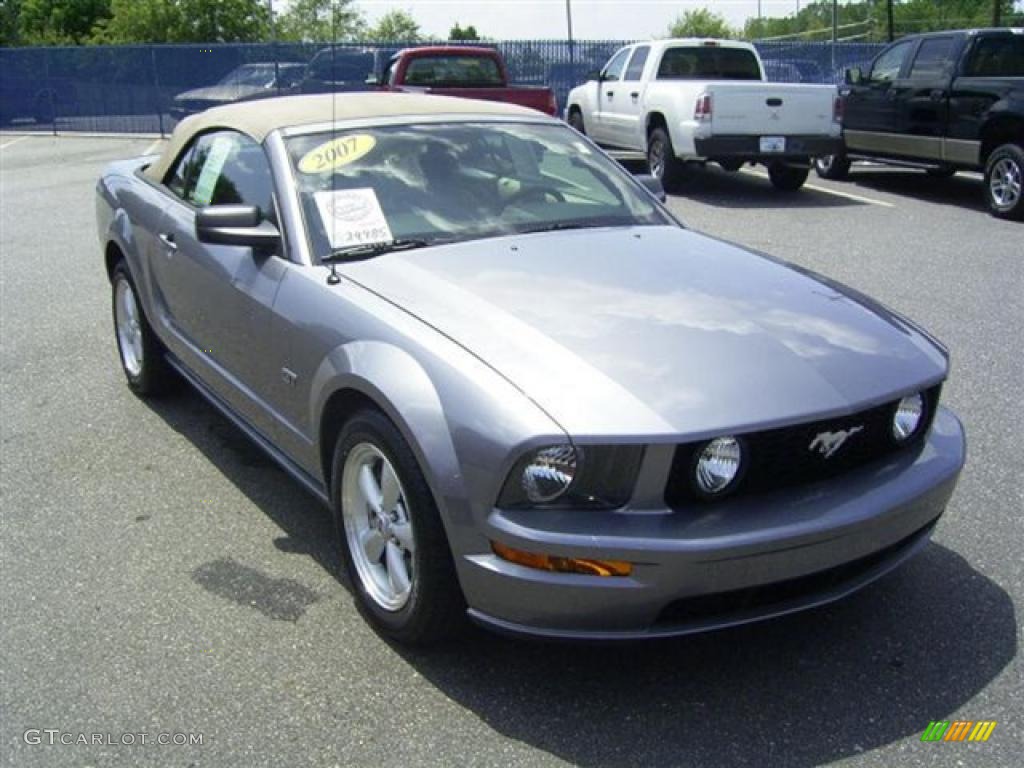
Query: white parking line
152	147
13	141
827	191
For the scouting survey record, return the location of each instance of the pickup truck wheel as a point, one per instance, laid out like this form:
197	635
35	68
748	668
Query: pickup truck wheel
1004	182
394	547
834	167
141	353
662	160
787	178
576	121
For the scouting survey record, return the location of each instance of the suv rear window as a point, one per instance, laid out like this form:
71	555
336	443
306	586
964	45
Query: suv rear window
709	63
465	71
997	56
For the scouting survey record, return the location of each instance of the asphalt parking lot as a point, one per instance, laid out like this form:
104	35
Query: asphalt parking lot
159	575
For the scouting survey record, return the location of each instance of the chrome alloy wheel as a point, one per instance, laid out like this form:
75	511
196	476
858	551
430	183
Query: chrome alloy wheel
129	328
378	528
656	158
1005	183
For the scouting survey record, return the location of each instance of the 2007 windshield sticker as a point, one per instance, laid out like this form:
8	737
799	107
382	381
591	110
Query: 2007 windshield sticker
352	217
336	153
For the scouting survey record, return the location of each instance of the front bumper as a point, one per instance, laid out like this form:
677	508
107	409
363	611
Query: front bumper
747	148
716	566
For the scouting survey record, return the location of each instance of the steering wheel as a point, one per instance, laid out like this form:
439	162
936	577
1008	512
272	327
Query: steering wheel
539	192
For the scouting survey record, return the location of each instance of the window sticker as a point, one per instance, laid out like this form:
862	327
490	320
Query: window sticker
215	158
352	217
336	153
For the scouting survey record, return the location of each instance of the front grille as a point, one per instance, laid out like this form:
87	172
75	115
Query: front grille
780	458
790	591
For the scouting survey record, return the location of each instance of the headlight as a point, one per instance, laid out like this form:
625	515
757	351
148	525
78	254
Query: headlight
908	417
549	473
596	477
718	465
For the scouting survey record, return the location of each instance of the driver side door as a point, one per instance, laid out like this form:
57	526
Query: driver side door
608	88
872	119
217	299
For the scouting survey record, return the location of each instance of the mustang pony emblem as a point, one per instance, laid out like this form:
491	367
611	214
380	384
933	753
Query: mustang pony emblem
827	443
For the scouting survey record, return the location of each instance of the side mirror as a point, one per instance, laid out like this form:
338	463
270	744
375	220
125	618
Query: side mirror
653	185
236	225
595	75
854	76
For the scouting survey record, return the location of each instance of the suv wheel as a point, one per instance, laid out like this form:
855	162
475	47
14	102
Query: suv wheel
1004	182
834	167
394	547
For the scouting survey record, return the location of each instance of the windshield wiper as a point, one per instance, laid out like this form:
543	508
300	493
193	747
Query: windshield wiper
369	250
558	226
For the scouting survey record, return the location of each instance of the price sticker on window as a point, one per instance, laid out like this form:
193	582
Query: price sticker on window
352	217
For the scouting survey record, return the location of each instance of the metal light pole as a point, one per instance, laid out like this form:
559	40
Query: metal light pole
568	21
888	14
835	30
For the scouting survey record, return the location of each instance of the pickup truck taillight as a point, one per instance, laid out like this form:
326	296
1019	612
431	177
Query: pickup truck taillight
552	105
837	110
702	110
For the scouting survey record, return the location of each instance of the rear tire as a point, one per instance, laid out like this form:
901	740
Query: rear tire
662	160
1004	182
576	121
393	543
140	351
832	167
787	178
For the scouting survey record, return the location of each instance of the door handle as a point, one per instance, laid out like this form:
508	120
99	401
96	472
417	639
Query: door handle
634	95
609	94
167	238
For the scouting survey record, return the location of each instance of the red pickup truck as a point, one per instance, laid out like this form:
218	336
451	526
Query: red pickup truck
472	73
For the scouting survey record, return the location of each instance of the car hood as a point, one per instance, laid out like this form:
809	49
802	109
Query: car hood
658	331
217	94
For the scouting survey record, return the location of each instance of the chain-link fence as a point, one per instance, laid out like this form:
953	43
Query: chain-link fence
147	88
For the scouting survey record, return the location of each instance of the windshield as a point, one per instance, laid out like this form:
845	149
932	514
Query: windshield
251	74
457	181
709	63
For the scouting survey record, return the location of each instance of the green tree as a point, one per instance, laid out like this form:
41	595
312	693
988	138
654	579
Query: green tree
394	26
320	21
186	21
59	22
700	23
9	11
463	33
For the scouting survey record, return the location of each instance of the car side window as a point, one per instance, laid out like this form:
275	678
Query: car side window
223	168
635	70
997	56
613	70
933	60
889	65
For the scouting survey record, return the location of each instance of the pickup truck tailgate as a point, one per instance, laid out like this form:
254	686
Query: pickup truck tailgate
776	109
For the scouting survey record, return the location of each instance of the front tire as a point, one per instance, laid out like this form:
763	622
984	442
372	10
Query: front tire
140	351
576	121
1004	182
832	167
787	178
394	548
662	160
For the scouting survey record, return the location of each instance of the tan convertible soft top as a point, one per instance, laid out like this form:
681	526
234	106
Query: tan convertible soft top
261	117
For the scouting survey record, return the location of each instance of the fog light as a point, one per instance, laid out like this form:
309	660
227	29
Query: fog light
908	417
562	564
718	465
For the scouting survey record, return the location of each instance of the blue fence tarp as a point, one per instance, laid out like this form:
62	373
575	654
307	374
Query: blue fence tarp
140	89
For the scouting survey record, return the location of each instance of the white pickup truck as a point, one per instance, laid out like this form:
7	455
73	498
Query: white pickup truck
706	100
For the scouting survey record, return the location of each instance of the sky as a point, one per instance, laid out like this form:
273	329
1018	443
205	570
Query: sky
592	19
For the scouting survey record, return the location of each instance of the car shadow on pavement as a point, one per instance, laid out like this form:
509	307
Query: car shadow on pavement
711	185
962	190
801	690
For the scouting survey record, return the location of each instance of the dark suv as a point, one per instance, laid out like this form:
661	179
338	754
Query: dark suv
944	101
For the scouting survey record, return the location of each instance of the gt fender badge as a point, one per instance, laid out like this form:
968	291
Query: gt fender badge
827	443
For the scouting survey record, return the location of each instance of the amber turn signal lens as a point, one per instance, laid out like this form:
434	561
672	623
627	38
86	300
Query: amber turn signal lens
562	564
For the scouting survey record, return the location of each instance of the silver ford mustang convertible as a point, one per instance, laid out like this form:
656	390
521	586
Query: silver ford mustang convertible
525	390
